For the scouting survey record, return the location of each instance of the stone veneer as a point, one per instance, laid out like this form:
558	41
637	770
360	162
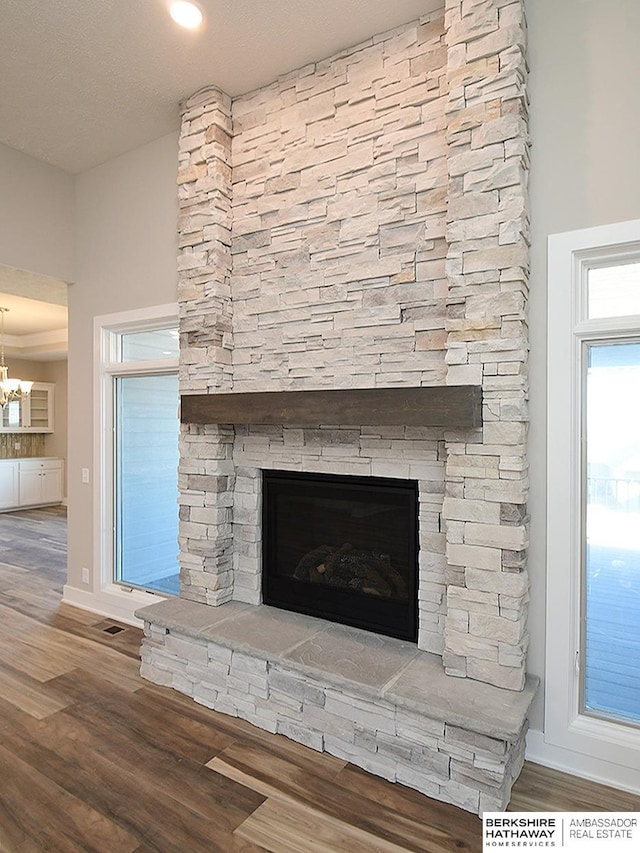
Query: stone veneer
377	702
399	452
363	222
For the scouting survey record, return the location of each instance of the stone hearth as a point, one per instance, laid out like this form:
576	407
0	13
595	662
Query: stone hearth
375	701
362	223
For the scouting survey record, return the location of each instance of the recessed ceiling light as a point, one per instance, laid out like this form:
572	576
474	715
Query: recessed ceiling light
186	14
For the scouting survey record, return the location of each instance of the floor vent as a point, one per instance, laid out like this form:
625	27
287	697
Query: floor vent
113	629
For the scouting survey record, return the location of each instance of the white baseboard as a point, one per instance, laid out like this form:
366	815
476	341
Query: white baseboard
113	602
578	764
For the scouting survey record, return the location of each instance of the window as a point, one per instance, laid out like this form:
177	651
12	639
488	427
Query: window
157	344
136	441
613	290
611	557
146	483
593	554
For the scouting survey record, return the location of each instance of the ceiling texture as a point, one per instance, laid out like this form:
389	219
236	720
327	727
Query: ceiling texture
82	81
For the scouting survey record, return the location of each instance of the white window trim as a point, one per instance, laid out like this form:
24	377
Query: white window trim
106	597
593	747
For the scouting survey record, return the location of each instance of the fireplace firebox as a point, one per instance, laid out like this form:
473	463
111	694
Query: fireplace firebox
342	548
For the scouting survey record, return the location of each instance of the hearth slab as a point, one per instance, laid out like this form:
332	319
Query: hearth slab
351	655
486	709
180	614
381	668
265	631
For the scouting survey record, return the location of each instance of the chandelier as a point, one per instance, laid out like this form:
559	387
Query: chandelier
10	389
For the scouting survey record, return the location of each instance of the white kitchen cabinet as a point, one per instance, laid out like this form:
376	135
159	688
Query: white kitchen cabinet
39	481
30	482
30	488
9	493
41	407
30	414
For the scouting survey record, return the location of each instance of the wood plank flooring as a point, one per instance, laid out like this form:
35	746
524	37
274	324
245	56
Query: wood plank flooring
93	758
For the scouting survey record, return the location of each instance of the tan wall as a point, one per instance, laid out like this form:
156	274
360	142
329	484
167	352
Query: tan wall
126	239
33	371
55	444
585	67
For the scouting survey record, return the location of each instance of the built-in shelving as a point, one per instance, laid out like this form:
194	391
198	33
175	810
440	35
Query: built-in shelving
32	413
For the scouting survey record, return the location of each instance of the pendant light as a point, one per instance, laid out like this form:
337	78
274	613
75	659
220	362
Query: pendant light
10	389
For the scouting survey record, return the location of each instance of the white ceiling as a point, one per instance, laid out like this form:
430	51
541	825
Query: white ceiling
35	324
30	317
82	81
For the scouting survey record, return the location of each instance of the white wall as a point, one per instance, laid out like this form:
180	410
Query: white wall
126	238
585	126
36	216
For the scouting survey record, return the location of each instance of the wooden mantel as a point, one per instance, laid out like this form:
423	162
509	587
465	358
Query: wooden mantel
443	406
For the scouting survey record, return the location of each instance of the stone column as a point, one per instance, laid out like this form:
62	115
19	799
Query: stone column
487	340
204	290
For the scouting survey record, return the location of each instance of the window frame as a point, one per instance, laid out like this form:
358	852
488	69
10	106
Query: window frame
110	596
608	749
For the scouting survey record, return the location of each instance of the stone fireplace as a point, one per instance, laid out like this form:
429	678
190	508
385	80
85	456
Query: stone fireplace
343	549
353	276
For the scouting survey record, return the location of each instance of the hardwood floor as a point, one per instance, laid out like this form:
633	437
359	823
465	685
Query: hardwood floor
93	758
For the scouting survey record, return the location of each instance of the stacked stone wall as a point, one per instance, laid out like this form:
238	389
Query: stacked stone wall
487	339
205	473
206	482
363	222
204	258
409	453
455	763
339	209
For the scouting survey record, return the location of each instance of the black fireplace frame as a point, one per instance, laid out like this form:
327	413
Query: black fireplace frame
381	616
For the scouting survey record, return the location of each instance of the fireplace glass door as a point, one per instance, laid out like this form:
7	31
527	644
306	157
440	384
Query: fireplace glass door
342	548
